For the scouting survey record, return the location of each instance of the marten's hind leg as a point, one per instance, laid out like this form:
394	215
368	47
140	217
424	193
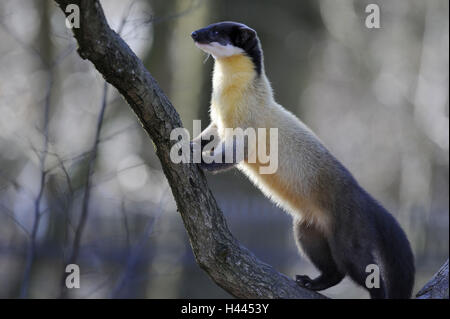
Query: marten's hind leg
314	244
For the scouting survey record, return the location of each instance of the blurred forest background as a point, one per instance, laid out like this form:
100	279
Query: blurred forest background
378	98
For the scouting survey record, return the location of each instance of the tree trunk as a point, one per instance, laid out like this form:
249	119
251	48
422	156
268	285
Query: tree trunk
226	261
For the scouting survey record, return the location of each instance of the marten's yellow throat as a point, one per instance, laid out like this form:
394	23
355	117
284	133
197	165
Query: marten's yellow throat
232	78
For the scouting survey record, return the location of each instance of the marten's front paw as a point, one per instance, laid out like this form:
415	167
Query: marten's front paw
304	281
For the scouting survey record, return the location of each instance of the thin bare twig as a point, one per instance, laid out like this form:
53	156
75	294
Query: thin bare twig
194	5
73	159
87	186
27	47
66	174
125	223
5	210
87	191
91	163
133	257
31	252
16	185
113	175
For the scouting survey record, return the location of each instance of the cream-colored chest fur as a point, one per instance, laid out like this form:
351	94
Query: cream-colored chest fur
232	83
241	100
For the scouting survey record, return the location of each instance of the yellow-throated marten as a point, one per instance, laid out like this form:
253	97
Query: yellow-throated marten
337	224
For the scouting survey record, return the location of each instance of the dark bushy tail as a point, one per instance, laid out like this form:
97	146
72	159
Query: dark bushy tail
396	256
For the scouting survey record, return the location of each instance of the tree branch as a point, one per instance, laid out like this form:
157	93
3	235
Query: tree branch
227	262
31	251
437	287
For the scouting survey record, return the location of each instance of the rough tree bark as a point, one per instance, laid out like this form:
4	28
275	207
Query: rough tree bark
437	287
227	262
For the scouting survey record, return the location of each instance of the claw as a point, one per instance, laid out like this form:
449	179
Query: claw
303	281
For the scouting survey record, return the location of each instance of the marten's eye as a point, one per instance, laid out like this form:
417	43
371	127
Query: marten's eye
213	33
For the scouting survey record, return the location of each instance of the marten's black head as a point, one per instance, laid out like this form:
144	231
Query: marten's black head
224	39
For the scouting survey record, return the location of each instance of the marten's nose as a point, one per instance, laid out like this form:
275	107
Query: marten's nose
194	35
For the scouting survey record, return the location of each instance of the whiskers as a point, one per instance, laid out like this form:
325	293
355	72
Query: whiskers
207	57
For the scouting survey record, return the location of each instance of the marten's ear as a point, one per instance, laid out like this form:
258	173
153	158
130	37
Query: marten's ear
246	34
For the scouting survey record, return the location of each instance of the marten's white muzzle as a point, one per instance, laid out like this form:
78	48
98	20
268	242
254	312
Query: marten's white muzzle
218	50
